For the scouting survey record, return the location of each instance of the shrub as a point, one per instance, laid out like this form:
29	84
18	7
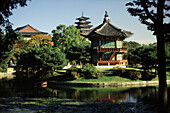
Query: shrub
89	71
134	75
131	74
147	76
118	71
73	72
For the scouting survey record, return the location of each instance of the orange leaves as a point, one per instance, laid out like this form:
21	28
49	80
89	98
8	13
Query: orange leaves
40	40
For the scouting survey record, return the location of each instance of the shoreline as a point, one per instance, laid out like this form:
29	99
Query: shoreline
105	84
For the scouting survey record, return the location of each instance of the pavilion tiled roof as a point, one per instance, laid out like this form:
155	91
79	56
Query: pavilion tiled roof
30	31
108	29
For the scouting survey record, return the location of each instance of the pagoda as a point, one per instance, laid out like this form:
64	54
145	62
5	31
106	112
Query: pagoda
83	24
27	31
107	43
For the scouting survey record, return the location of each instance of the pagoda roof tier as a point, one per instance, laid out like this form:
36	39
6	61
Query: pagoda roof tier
107	29
83	22
84	26
82	18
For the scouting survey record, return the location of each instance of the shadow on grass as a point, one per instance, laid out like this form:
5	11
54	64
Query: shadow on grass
62	77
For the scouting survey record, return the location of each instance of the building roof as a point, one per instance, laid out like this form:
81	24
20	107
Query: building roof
84	26
28	30
108	29
82	18
83	22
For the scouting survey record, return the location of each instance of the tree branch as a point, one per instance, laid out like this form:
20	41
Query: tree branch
143	3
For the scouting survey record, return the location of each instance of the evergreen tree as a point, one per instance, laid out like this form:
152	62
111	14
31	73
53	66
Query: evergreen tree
69	40
42	60
8	38
63	37
153	14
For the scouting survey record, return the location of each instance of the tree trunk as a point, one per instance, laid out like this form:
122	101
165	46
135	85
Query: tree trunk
163	108
162	99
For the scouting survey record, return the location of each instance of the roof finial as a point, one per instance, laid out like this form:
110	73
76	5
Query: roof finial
106	17
82	14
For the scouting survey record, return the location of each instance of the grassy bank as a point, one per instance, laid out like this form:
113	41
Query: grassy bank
106	77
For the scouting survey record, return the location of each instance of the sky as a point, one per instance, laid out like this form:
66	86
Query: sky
45	15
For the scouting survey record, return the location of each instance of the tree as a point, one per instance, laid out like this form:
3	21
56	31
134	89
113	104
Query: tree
79	51
69	40
153	14
7	39
144	55
36	41
131	44
6	50
40	40
167	56
41	61
6	8
64	36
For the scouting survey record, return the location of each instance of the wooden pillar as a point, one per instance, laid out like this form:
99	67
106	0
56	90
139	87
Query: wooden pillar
122	44
116	44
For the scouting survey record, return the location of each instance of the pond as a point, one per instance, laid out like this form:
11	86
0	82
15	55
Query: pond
146	95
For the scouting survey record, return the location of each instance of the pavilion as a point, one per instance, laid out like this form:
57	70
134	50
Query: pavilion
107	43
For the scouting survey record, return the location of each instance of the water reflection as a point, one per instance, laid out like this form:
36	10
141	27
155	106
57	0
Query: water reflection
118	95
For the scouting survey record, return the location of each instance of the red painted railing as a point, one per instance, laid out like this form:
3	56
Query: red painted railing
112	49
111	61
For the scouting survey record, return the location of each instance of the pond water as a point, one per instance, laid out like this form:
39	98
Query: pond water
147	95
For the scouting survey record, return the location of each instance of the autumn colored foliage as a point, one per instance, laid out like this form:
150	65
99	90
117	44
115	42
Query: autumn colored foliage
40	40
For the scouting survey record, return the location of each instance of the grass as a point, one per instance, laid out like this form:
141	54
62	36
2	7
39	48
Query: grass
107	77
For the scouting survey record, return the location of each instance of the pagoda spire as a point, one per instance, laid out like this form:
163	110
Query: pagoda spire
82	14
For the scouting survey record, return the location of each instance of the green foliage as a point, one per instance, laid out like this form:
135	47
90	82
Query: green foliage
134	75
42	61
89	71
7	41
63	36
146	11
131	44
145	55
6	8
167	56
69	40
79	51
6	47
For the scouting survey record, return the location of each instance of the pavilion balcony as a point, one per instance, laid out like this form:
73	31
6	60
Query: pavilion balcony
123	49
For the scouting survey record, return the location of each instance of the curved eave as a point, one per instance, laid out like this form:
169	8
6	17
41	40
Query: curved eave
31	33
109	30
81	26
82	18
81	22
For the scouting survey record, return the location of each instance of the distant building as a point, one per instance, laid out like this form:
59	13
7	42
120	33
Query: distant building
27	31
83	24
107	43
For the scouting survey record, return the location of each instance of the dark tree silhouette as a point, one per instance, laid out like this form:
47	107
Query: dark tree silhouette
153	13
7	35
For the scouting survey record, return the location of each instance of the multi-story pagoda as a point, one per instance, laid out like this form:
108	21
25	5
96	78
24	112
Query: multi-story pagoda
107	43
83	24
27	31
